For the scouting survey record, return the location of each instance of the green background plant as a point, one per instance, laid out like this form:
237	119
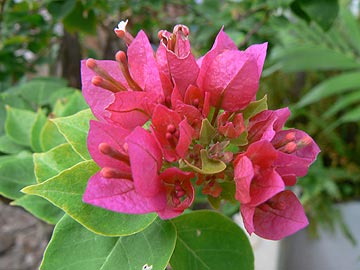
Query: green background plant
312	66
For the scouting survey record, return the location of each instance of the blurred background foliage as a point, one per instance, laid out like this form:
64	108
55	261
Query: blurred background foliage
313	66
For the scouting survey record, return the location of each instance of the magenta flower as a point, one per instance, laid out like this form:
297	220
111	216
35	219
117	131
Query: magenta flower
134	85
231	125
230	75
276	218
120	186
255	175
176	57
115	188
179	190
297	151
173	133
264	125
167	122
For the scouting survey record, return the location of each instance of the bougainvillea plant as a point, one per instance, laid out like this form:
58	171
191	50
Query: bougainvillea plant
168	123
164	129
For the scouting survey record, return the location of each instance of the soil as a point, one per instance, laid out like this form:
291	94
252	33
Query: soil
23	239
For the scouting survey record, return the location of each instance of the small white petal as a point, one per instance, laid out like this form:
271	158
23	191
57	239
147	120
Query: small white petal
122	26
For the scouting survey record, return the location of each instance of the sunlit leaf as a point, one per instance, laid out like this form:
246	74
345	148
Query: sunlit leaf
74	247
75	129
66	190
54	161
50	136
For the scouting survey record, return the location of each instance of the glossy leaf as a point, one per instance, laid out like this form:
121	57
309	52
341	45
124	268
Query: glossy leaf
54	161
66	189
209	240
40	208
73	247
75	129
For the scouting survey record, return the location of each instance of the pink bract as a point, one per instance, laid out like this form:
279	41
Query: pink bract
168	121
255	176
230	75
277	218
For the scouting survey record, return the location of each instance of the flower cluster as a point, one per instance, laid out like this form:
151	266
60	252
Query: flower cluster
168	123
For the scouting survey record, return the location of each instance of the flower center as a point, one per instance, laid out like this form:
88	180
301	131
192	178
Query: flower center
178	194
172	135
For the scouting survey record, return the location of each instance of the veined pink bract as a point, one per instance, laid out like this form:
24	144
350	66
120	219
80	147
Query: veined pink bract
168	122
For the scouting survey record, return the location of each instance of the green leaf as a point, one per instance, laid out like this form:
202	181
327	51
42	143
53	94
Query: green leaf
10	99
207	132
343	103
75	129
54	161
312	58
227	194
18	125
50	136
334	86
37	92
208	165
35	132
66	189
351	116
80	20
73	247
7	146
323	12
272	4
240	141
254	108
209	240
70	105
61	8
16	172
40	208
350	26
61	93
